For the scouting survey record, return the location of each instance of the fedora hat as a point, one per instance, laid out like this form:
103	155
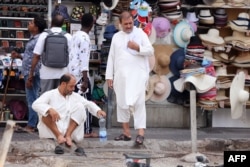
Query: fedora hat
182	33
238	96
159	88
177	59
212	36
191	16
162	55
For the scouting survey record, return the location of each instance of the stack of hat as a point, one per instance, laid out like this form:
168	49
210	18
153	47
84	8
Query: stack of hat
194	52
205	17
241	24
155	8
238	41
220	17
237	3
171	9
212	39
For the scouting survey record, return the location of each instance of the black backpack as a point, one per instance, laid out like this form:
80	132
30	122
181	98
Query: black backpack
56	50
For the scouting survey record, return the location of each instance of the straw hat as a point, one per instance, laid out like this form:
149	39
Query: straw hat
162	56
159	88
212	36
202	83
238	96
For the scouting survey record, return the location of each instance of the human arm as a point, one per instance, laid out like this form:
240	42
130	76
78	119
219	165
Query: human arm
110	65
35	60
93	108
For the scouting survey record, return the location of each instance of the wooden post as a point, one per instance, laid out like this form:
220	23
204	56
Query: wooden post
193	119
7	136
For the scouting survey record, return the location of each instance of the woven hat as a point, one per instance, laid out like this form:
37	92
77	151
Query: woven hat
212	36
182	33
159	88
237	36
238	96
177	61
162	56
162	26
202	83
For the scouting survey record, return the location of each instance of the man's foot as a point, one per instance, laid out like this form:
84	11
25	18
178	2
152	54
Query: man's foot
61	139
122	137
139	139
29	129
68	141
91	135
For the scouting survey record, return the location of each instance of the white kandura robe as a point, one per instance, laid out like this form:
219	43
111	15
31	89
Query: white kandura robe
72	106
128	68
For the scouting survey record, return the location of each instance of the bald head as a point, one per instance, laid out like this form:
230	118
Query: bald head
57	21
67	77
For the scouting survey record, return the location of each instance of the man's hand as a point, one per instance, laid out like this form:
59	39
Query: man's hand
84	86
29	82
133	45
101	113
54	115
15	55
110	83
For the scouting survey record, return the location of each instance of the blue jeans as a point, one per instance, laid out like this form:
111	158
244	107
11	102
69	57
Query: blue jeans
31	95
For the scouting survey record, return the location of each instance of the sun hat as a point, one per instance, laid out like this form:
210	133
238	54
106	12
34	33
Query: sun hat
182	33
212	36
202	83
238	96
159	88
241	23
162	55
237	36
162	26
62	10
177	59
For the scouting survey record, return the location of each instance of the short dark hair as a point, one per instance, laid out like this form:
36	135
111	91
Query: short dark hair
40	23
87	20
65	78
57	20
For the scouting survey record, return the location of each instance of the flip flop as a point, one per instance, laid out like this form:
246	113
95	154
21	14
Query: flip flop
80	152
59	150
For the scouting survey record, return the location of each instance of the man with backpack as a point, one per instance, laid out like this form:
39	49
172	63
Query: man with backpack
79	64
53	47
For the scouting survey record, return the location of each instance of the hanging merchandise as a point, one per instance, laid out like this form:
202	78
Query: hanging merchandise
77	13
109	4
62	10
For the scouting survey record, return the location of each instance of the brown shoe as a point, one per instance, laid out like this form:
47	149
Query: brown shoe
91	135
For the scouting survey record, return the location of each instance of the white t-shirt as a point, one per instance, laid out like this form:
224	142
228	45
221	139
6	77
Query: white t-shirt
48	72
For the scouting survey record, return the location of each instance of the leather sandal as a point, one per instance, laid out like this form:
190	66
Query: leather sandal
59	150
139	139
122	137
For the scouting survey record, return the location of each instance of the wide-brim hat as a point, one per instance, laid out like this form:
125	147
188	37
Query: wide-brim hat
212	36
238	96
182	33
202	83
177	61
162	55
162	26
159	88
237	36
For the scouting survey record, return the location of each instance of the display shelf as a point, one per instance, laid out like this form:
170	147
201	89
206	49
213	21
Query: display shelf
207	6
